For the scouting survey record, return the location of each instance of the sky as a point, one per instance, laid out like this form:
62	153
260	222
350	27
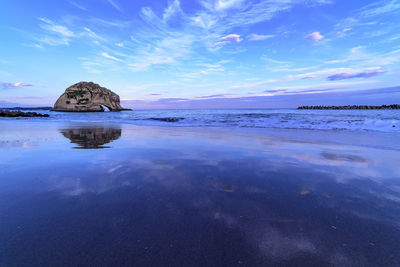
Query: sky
202	53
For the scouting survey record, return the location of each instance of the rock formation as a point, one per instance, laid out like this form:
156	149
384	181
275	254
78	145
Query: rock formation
87	97
18	113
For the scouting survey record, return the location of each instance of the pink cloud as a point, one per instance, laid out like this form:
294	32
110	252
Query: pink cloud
230	38
315	36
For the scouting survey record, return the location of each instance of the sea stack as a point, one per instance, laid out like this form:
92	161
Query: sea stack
87	97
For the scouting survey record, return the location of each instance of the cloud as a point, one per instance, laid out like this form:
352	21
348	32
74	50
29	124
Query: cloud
167	51
8	85
106	55
173	9
55	28
365	74
214	96
233	38
172	36
342	32
207	69
75	4
277	83
374	19
230	38
55	34
315	36
357	96
226	4
252	12
115	5
88	33
360	57
380	8
259	37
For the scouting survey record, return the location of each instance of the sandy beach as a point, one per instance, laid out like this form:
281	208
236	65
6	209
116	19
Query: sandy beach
118	194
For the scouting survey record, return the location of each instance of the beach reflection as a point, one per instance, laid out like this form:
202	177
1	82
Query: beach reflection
92	138
170	196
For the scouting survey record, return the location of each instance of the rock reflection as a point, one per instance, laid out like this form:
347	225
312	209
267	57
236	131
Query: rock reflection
92	138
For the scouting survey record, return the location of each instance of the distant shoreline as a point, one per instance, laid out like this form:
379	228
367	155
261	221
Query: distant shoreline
394	106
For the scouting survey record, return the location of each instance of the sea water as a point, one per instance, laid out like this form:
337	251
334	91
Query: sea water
351	120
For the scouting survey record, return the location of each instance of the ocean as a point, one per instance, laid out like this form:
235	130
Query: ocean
351	120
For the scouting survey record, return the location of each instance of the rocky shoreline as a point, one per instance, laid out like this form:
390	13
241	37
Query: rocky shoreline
394	106
18	113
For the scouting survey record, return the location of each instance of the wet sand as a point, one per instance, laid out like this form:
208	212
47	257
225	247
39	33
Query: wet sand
123	195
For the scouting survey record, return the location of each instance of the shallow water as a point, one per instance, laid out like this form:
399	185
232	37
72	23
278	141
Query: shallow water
117	194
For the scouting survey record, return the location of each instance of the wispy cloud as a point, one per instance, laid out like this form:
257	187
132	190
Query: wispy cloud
220	5
9	85
220	17
55	28
343	32
248	13
369	18
106	55
115	4
173	9
167	51
310	79
259	37
364	74
79	6
360	56
89	33
92	67
215	96
315	36
380	8
205	70
55	34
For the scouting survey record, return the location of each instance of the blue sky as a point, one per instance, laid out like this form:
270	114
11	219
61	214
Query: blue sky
158	54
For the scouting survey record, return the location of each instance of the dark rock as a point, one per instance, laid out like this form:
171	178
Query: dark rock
12	114
167	119
28	108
